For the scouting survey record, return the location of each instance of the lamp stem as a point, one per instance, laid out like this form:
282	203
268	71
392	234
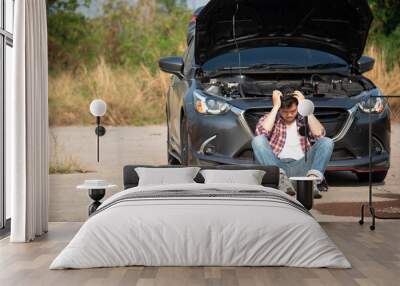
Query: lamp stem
306	137
369	154
98	137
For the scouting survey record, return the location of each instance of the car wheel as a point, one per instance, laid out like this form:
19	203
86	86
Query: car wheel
170	158
184	142
377	177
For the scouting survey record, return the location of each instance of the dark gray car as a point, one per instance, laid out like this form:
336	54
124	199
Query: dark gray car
240	51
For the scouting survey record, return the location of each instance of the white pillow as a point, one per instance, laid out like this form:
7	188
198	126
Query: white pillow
248	177
162	176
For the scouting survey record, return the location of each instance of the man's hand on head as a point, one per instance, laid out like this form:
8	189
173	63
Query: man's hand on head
276	99
299	95
268	120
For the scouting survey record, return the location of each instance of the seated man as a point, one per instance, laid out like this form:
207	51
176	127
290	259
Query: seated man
279	143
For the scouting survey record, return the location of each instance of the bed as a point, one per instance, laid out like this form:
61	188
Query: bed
201	224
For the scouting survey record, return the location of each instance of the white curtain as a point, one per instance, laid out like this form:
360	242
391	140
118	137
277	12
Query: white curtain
27	124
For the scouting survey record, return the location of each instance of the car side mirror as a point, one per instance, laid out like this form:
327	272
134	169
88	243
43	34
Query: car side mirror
173	65
365	64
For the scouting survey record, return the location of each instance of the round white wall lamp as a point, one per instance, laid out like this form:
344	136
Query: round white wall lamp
305	107
98	108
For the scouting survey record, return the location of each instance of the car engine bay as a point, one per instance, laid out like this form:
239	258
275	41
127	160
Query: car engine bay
317	85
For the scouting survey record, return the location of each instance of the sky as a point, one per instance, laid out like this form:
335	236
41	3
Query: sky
193	4
95	7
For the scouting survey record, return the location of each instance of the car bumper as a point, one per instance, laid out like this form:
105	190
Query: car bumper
379	163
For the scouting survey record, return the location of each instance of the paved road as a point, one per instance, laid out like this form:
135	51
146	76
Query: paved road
147	145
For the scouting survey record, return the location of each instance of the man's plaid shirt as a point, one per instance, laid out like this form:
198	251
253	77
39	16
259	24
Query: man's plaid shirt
277	136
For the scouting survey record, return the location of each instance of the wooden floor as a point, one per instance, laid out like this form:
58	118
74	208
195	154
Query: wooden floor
375	257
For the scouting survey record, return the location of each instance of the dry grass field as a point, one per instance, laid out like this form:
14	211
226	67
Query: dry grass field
388	81
133	98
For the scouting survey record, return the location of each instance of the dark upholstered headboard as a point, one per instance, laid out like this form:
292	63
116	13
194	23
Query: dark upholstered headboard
270	179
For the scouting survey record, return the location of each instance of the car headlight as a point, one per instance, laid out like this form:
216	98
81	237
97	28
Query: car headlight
208	104
371	102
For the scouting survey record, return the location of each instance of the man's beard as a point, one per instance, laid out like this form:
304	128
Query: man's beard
289	121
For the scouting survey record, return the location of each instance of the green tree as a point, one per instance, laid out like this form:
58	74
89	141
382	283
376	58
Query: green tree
70	41
142	33
385	29
125	34
386	16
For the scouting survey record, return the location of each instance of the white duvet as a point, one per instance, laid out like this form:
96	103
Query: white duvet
225	231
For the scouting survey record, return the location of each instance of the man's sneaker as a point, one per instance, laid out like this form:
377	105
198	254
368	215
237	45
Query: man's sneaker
317	195
316	192
284	184
290	191
323	186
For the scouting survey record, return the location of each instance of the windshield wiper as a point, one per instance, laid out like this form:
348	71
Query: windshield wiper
256	67
263	67
232	68
289	66
273	66
326	66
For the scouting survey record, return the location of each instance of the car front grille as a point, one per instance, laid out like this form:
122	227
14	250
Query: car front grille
332	119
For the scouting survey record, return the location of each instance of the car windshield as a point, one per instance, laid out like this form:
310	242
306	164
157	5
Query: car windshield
275	58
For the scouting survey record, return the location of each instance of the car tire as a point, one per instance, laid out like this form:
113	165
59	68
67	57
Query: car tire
184	142
377	177
172	160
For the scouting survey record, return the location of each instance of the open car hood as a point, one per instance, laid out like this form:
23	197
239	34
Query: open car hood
339	27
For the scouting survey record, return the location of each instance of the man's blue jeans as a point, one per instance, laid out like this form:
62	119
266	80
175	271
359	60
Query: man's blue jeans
317	157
